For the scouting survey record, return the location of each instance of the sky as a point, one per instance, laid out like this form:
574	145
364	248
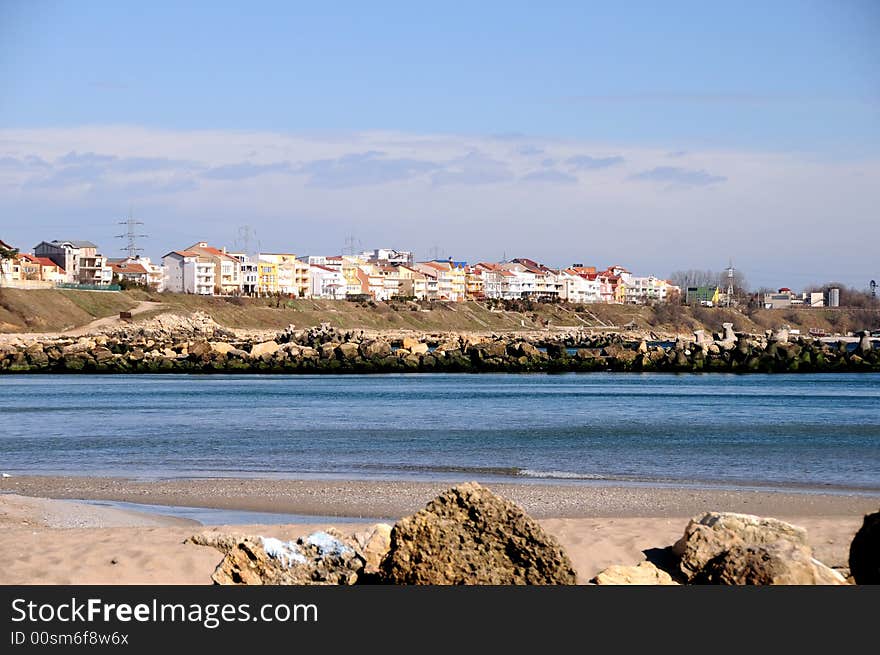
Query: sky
659	136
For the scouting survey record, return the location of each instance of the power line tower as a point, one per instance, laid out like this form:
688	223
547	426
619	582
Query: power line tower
730	277
435	253
131	236
352	245
244	239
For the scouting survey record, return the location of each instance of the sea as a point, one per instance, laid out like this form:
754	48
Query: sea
794	432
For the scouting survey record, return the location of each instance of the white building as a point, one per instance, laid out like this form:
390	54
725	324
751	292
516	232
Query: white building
326	282
250	275
641	290
577	288
189	272
388	256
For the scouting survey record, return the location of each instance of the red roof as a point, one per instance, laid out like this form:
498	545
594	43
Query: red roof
128	268
45	261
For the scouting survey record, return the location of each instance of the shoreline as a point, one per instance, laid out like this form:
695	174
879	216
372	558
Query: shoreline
381	499
52	542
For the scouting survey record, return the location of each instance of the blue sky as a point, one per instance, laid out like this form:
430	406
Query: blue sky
501	128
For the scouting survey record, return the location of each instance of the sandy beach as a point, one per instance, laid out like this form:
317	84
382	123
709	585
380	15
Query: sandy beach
49	538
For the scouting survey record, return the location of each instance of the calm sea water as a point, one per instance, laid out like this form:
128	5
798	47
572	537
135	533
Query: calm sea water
808	431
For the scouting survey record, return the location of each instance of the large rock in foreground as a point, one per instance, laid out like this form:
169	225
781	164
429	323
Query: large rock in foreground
470	536
864	552
741	549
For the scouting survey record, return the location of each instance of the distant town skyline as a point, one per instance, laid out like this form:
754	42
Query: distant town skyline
657	138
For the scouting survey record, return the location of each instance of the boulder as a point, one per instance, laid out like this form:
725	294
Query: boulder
781	562
409	343
321	558
82	346
347	351
374	543
864	551
730	548
645	573
263	349
221	347
200	349
375	348
419	349
468	535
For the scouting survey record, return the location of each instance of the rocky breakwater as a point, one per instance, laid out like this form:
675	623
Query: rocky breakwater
198	345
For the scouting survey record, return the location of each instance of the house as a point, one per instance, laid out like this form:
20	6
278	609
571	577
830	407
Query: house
30	268
301	278
189	272
783	299
250	276
415	284
287	271
327	283
267	278
129	271
80	261
227	269
641	290
8	265
577	287
473	279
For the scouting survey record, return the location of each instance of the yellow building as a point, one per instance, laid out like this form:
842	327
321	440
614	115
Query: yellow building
267	278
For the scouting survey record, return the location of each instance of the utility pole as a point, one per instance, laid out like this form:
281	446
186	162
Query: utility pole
131	236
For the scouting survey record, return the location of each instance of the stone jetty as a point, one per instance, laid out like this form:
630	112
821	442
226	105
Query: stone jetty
198	345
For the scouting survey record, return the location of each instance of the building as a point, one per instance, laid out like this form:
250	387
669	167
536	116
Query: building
250	276
267	278
129	271
7	262
578	287
80	261
227	269
286	263
30	268
707	296
189	272
388	256
782	299
649	289
327	283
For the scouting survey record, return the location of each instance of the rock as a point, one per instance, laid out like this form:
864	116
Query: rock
221	347
864	551
102	354
265	348
375	348
82	346
448	345
419	349
468	535
730	548
645	573
324	558
347	351
781	562
374	543
409	343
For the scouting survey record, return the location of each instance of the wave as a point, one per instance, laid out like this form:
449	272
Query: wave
559	475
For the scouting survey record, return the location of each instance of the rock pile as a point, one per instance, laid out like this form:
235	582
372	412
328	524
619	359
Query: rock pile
198	345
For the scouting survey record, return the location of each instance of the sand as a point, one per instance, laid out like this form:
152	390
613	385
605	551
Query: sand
51	541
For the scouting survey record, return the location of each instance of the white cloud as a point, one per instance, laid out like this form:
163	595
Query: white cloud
474	196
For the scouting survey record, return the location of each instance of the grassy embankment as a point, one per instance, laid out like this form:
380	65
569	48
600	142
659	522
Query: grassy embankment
57	310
